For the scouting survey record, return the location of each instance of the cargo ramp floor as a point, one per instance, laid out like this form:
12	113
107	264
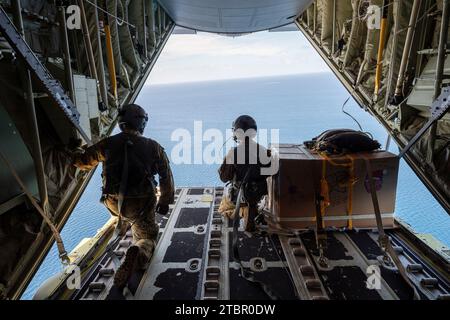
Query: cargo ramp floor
193	260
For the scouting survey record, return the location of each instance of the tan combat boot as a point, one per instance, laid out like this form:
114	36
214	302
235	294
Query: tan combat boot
126	269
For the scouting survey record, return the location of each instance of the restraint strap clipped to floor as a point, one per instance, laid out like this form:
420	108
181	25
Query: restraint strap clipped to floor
59	242
246	274
384	239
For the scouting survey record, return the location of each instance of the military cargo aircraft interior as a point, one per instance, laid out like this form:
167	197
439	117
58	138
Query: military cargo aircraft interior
314	222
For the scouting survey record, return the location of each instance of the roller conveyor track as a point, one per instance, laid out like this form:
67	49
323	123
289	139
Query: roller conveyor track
98	283
193	260
349	255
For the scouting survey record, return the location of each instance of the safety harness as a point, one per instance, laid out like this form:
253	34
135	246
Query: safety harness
245	273
119	229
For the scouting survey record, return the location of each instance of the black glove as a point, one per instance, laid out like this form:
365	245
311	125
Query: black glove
74	144
162	209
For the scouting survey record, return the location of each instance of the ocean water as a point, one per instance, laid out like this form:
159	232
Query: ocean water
300	106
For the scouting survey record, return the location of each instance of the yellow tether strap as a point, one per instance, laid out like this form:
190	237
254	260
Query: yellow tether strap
324	188
324	192
351	182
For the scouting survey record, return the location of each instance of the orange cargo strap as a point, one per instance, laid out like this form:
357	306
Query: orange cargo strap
324	192
351	182
324	188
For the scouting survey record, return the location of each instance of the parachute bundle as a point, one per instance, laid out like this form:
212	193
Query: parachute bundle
339	141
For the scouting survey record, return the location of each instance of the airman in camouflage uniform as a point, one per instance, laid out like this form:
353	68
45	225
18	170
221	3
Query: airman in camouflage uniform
244	162
145	159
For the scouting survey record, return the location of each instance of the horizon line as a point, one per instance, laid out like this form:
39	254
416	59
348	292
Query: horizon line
236	78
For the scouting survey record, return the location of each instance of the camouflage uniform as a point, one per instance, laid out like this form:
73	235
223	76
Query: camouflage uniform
238	161
139	203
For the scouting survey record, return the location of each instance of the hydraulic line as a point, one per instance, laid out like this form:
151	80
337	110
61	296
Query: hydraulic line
36	147
88	46
383	27
110	55
440	65
407	47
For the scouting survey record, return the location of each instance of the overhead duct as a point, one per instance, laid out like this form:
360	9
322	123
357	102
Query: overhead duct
233	16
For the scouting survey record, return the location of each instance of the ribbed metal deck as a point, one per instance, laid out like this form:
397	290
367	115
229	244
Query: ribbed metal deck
193	260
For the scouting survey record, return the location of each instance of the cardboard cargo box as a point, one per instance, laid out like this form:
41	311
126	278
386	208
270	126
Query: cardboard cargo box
343	183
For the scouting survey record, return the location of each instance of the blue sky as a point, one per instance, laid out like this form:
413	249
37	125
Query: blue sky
207	56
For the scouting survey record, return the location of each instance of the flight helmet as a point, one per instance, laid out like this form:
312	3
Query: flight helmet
243	124
132	116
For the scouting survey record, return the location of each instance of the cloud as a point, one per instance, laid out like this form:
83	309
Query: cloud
215	45
206	56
